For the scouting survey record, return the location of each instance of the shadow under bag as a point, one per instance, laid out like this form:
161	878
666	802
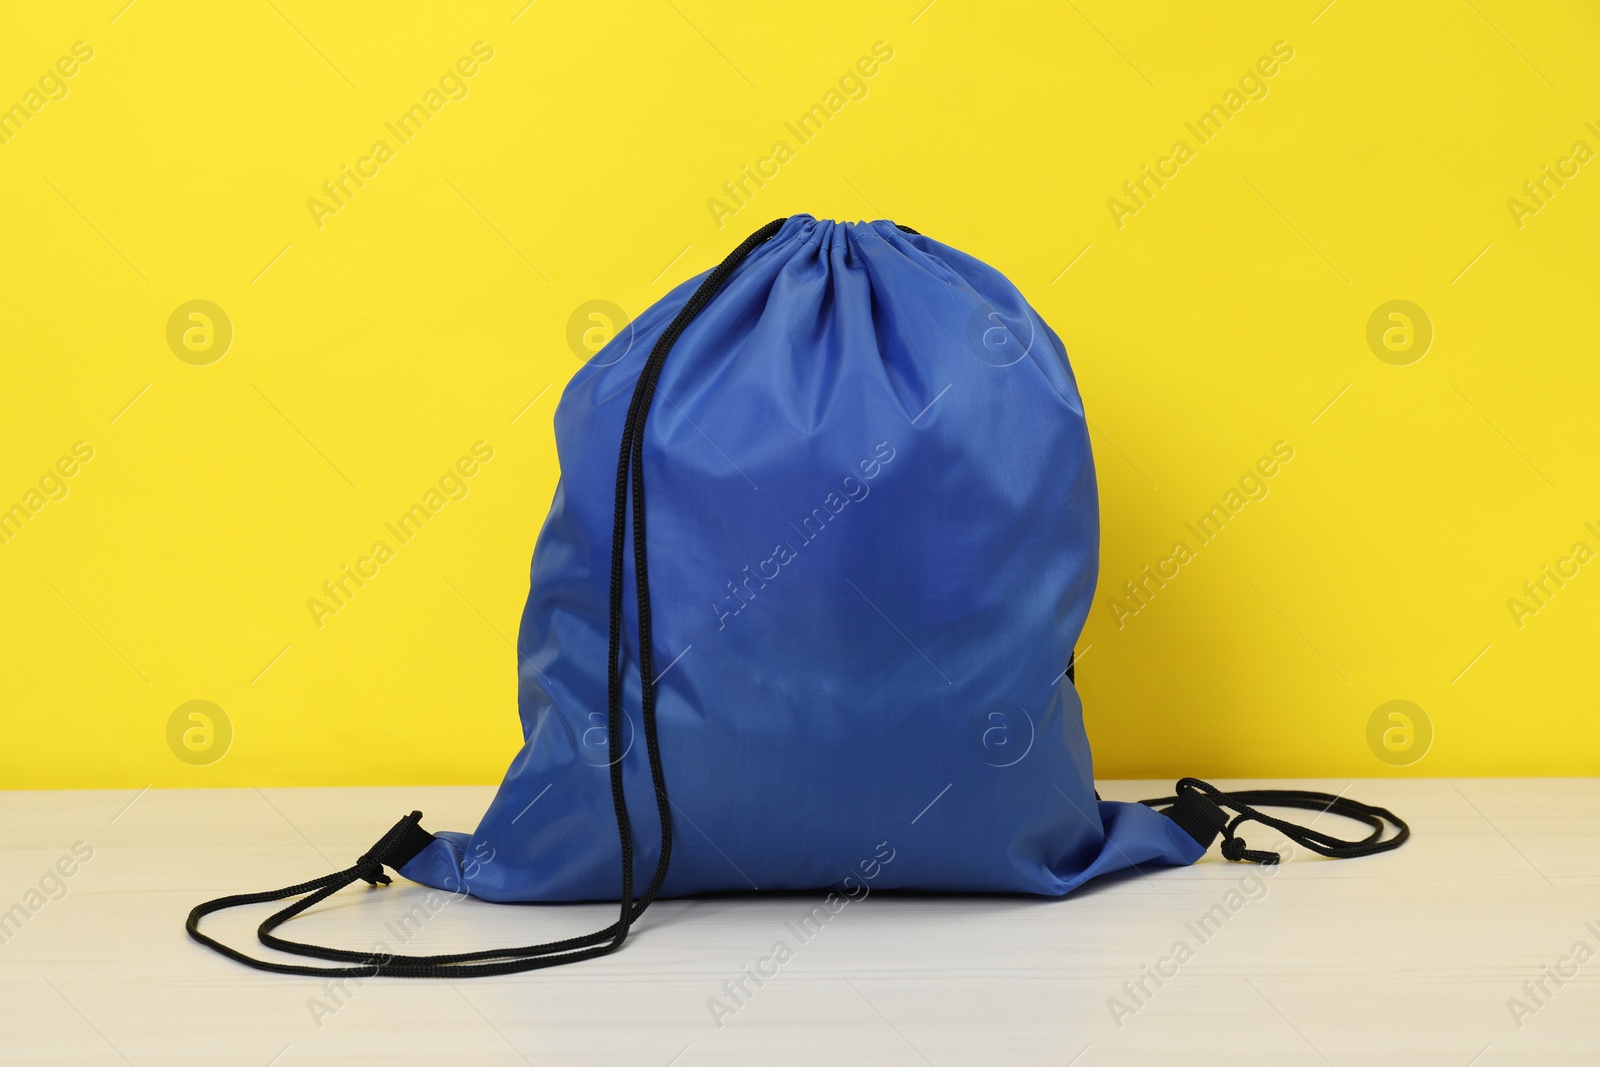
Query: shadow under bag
833	646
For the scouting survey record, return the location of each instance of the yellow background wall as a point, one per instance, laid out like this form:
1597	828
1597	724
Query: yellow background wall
373	346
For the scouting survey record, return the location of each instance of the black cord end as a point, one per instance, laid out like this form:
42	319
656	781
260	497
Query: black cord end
1233	848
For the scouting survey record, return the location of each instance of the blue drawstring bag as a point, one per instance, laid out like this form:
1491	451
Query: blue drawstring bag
832	646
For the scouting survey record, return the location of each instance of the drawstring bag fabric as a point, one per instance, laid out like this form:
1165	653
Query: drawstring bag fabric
832	645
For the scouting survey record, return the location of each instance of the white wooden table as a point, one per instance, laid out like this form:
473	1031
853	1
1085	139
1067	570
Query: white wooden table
1415	957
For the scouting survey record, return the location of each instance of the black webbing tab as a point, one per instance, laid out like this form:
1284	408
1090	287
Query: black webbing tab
1198	816
401	845
394	849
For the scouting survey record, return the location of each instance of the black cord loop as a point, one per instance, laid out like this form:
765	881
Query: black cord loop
630	489
1202	809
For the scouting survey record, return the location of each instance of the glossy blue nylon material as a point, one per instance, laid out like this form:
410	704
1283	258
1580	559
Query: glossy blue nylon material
873	537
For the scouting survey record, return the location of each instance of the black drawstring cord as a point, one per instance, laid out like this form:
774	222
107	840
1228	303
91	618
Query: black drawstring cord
407	838
1201	809
630	459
